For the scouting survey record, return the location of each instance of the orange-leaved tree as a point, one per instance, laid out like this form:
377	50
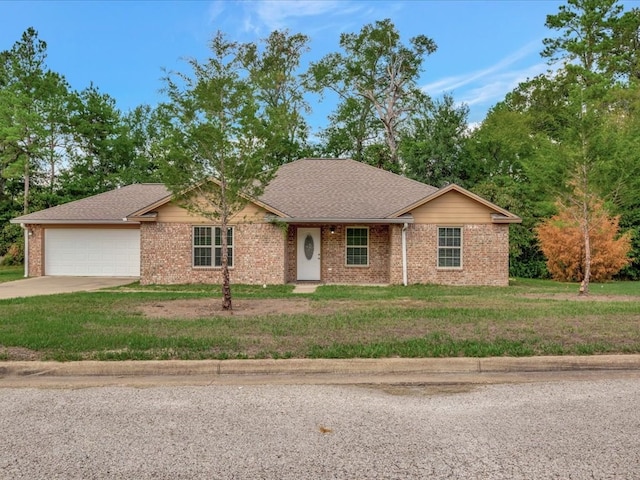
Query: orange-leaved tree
562	242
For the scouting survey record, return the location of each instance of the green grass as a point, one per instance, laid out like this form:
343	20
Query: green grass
531	317
9	274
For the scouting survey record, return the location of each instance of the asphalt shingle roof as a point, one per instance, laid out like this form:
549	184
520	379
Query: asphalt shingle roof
310	188
106	207
342	188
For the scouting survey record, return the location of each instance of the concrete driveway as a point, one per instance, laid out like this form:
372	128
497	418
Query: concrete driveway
31	287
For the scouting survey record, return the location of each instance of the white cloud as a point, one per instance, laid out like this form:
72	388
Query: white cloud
449	84
488	86
278	14
496	87
215	10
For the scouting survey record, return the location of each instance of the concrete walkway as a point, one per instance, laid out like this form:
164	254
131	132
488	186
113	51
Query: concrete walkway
305	287
31	287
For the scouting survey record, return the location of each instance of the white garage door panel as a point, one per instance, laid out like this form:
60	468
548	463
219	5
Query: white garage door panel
92	252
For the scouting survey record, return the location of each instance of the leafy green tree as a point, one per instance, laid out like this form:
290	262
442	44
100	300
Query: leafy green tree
218	141
142	138
352	127
93	156
109	149
586	48
56	137
273	71
21	131
434	146
586	35
498	149
381	72
29	128
624	59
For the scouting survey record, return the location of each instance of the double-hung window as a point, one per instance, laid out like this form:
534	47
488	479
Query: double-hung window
357	246
207	246
449	247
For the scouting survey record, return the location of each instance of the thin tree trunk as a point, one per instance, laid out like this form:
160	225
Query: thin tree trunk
584	285
27	182
226	284
224	260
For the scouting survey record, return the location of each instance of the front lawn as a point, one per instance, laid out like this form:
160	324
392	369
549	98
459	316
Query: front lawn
9	274
531	317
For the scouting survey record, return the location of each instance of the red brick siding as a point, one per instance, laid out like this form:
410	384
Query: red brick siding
395	254
264	254
334	268
36	251
292	248
485	256
166	255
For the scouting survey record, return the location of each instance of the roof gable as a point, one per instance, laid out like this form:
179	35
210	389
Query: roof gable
500	215
314	188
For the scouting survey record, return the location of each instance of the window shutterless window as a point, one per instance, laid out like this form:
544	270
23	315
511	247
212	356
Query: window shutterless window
357	246
449	247
207	246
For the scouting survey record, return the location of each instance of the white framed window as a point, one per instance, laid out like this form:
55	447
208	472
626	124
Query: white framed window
449	247
357	242
207	246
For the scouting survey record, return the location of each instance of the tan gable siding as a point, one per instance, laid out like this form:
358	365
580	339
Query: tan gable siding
172	213
452	208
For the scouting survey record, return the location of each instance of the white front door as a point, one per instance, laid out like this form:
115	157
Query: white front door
308	254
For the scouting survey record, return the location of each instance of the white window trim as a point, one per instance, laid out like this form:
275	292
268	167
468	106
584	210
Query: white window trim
213	247
346	246
438	247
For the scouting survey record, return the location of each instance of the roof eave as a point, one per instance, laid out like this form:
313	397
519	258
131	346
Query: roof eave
147	217
496	218
123	221
340	220
149	208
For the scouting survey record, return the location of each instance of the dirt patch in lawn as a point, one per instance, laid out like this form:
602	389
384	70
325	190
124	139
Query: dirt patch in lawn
19	353
210	307
207	307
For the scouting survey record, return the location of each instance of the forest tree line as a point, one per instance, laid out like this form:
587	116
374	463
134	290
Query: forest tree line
562	141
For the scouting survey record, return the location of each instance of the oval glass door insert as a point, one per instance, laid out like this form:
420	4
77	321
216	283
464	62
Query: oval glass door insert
308	247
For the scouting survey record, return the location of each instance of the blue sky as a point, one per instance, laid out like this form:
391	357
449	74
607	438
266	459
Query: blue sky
485	48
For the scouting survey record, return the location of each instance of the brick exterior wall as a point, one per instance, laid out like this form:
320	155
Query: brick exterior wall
166	255
334	268
395	254
292	251
485	256
36	251
264	254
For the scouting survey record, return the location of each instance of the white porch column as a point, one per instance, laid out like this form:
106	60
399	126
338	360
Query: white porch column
404	254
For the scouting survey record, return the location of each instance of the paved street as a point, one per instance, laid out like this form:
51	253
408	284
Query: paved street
568	429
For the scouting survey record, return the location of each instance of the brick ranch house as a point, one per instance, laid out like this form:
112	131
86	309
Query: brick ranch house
323	220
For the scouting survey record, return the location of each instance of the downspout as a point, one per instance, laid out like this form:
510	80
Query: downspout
26	250
404	254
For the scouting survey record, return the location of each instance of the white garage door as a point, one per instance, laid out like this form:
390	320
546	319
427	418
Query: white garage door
92	252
